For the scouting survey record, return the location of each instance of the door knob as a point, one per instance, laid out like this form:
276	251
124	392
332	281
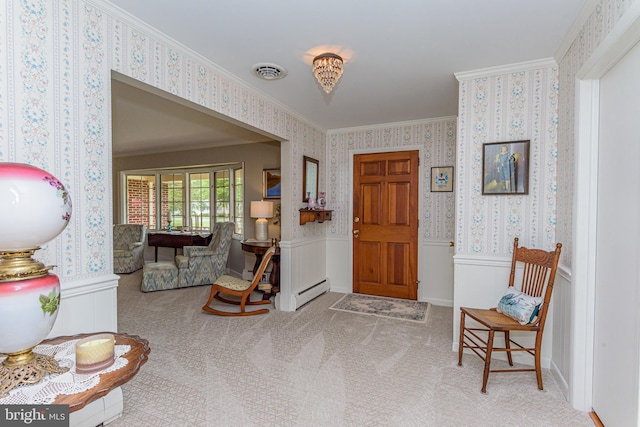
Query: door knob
356	219
356	233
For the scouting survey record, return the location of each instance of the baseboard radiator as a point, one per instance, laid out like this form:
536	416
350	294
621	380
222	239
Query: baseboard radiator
310	293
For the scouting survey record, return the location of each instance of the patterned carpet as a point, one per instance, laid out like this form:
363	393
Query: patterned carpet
400	309
314	367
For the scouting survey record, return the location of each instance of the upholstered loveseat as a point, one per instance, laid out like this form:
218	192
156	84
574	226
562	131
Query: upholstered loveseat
198	265
128	247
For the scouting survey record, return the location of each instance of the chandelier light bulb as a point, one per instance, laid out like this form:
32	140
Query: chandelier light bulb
327	68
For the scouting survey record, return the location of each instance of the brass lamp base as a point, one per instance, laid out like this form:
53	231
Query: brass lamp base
26	367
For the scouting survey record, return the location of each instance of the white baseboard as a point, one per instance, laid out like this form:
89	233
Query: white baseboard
440	302
562	382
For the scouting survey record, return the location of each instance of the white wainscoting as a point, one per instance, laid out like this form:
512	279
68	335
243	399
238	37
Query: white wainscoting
435	269
339	264
304	273
480	282
562	334
87	305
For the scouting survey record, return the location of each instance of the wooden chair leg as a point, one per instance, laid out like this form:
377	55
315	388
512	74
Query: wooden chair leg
487	361
461	339
507	345
537	360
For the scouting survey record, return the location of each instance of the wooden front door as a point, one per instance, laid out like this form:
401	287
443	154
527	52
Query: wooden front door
385	224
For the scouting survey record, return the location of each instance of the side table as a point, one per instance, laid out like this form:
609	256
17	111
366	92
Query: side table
137	356
259	249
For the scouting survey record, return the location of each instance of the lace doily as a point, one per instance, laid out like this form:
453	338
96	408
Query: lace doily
46	390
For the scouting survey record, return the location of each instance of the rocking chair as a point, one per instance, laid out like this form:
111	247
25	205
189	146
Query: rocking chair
229	285
537	284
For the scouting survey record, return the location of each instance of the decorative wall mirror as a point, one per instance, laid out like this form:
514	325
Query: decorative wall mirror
309	179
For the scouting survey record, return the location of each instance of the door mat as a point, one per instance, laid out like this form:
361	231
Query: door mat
402	309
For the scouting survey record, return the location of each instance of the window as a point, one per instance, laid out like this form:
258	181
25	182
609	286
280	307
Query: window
185	197
200	191
223	196
172	200
238	181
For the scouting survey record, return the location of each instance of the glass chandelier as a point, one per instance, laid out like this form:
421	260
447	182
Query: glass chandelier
327	68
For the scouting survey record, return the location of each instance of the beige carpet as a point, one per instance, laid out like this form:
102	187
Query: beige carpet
314	367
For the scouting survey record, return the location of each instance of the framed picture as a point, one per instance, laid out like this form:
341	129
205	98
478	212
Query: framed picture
271	184
505	167
442	178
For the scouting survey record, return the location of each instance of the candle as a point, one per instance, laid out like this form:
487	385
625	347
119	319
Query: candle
94	353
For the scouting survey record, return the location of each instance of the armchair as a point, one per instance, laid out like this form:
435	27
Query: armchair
128	247
202	265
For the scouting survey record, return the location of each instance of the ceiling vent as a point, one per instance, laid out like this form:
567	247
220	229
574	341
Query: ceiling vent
268	71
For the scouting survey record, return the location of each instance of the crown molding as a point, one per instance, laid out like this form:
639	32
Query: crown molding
393	124
506	69
576	27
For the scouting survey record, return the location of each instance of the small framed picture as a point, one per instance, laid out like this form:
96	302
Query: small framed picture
271	184
505	167
441	179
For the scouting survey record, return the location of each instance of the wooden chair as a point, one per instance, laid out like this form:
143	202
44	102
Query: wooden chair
229	285
539	272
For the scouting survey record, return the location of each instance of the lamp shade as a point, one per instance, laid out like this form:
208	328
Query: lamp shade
261	209
35	207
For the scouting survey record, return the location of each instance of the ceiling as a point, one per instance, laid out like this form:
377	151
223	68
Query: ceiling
146	119
400	56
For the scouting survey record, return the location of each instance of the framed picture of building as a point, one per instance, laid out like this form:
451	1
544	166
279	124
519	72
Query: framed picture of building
442	179
505	167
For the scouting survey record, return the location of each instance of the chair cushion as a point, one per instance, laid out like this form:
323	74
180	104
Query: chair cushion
519	306
157	276
233	283
120	253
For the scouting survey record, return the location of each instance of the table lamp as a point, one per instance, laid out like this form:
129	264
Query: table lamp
36	207
262	210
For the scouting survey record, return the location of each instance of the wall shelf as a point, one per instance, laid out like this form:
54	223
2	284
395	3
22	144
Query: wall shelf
307	215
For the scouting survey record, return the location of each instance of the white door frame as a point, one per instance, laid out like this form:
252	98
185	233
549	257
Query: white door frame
616	44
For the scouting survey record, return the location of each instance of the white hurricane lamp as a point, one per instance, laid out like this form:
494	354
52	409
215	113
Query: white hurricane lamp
36	207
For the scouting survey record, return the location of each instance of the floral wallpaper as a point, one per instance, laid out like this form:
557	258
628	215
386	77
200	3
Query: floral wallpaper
512	106
603	18
438	139
56	58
